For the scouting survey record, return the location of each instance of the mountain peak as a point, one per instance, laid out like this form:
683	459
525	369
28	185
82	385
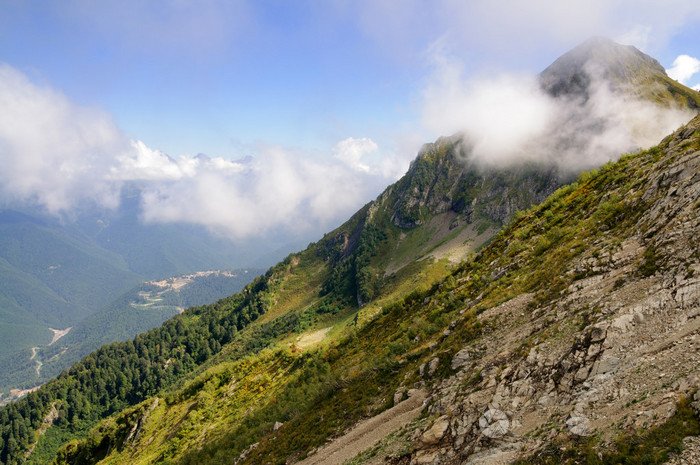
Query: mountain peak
610	55
599	58
622	68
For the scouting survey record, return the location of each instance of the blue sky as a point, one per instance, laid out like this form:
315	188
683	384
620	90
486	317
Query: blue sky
323	82
211	77
281	74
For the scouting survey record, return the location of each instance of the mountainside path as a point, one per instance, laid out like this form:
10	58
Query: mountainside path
369	432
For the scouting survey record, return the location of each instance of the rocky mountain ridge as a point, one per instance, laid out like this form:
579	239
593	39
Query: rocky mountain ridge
518	349
631	355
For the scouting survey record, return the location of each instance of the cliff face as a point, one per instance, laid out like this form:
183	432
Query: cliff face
446	205
444	179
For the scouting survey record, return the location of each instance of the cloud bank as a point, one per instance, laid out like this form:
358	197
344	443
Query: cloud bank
52	150
684	68
277	188
63	157
509	119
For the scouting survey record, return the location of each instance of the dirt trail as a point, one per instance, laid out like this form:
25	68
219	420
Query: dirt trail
46	423
368	432
37	362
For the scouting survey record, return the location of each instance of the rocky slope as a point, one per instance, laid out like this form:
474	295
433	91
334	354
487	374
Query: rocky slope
615	348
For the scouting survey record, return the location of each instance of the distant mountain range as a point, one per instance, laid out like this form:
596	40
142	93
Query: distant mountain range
77	272
54	273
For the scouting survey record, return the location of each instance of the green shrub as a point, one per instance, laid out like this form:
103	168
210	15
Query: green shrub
649	264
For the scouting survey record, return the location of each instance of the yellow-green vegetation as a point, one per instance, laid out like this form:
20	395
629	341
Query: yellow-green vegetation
230	405
668	92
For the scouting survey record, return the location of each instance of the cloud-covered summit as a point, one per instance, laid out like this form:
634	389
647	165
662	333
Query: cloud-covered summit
591	105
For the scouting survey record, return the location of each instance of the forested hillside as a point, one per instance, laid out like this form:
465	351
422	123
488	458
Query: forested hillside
56	272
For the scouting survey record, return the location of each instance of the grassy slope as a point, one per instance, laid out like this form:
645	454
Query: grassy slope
532	254
234	402
217	399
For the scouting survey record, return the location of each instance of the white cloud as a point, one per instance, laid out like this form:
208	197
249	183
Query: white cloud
277	189
608	124
352	151
53	152
143	163
58	155
497	114
684	68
